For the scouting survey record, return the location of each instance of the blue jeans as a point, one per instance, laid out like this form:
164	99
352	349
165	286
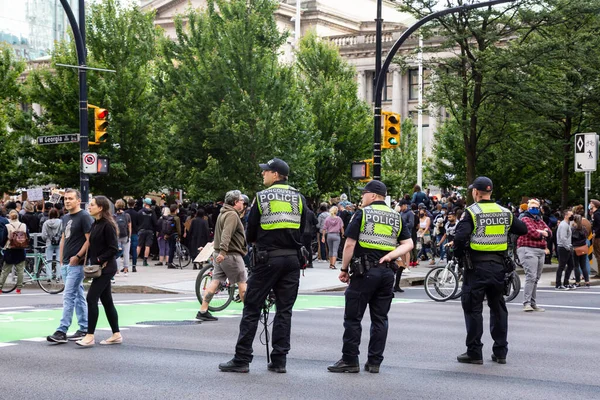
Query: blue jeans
52	253
73	299
134	245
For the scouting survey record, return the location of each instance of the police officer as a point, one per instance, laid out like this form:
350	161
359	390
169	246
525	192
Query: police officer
483	233
275	226
372	239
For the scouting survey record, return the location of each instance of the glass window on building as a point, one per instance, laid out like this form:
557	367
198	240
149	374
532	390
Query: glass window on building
388	85
413	82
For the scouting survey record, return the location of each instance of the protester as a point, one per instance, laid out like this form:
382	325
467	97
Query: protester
580	251
333	229
565	251
102	249
51	234
14	249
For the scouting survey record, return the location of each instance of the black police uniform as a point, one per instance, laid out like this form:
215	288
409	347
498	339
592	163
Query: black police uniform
485	279
373	288
282	274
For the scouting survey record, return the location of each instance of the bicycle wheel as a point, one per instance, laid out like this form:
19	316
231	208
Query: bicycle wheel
11	281
55	284
223	295
440	283
182	256
515	288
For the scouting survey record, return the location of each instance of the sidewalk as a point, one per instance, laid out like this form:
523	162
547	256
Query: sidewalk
155	279
318	279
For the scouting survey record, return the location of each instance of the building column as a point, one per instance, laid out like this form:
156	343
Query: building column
362	85
396	91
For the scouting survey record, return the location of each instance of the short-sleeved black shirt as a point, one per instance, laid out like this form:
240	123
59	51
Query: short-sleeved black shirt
353	232
75	226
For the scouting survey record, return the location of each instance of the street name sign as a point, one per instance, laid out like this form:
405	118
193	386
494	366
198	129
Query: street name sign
57	139
586	152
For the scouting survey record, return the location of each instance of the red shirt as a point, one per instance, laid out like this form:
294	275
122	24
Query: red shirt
533	238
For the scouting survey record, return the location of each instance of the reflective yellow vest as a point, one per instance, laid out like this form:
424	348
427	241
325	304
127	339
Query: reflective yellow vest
380	228
280	207
491	224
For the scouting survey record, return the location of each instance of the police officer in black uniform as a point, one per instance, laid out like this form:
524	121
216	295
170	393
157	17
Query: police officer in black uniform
275	226
482	236
372	239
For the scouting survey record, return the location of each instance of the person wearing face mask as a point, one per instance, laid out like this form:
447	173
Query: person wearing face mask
449	230
594	208
565	251
482	233
531	250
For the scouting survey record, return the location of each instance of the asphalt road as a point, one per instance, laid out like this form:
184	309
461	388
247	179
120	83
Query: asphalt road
552	355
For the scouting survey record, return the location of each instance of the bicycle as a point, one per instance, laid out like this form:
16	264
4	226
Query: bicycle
182	257
48	277
441	283
224	295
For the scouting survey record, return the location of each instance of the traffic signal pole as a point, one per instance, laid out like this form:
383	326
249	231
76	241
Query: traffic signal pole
79	37
381	70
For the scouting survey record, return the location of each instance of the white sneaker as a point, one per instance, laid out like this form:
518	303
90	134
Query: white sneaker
528	308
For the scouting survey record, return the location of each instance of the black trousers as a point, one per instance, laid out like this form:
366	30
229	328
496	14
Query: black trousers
565	259
374	289
398	277
487	279
282	274
100	289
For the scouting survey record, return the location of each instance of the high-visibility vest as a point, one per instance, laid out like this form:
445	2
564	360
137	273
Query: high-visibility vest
280	207
491	224
380	228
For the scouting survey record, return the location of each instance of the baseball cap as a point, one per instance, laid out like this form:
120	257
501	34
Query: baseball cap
482	183
148	200
376	187
276	165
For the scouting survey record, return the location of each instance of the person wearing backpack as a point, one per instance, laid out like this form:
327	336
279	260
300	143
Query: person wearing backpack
165	226
15	242
123	220
51	234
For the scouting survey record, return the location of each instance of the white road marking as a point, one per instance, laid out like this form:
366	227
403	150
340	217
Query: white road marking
15	308
7	344
557	306
35	339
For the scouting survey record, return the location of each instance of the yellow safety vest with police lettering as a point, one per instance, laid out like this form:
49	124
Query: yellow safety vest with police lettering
280	207
380	228
491	224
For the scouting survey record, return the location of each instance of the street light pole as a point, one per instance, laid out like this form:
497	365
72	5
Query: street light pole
377	110
388	60
79	37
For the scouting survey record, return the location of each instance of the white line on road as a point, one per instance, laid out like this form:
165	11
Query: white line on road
578	291
35	339
7	344
15	308
557	306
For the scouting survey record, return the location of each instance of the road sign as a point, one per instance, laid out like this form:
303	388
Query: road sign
57	139
586	152
90	163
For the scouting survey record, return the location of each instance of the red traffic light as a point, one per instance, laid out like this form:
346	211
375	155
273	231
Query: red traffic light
102	114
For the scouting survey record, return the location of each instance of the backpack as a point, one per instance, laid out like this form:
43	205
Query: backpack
18	239
55	238
167	226
122	225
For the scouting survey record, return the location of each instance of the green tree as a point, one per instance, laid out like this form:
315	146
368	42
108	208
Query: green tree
465	84
230	104
343	122
399	165
120	38
10	95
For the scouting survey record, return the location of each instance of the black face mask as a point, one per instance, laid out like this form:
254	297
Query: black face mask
571	218
422	214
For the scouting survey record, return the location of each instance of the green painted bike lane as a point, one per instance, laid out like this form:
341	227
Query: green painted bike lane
30	324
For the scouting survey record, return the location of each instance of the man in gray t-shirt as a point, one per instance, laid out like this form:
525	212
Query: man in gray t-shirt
73	248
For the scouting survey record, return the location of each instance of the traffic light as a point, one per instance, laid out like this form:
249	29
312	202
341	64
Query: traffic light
101	124
391	130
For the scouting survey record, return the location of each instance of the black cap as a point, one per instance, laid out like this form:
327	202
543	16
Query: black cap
276	165
482	183
376	187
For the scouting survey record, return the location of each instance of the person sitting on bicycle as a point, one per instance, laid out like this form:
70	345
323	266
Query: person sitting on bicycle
229	250
448	239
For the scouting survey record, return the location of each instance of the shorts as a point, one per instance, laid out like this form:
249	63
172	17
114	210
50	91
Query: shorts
232	267
145	238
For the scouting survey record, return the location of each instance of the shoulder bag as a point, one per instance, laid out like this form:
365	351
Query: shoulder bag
92	271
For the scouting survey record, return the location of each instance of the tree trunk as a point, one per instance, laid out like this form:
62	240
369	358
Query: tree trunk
564	197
